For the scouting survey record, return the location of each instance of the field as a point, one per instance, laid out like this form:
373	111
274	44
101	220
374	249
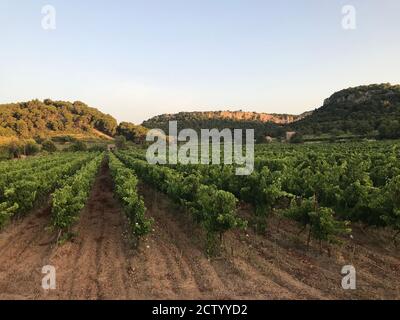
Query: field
116	227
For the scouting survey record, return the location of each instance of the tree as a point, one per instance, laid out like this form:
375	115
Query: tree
35	118
364	127
22	128
320	220
15	149
358	111
391	199
120	142
49	146
31	148
132	132
78	146
297	138
389	129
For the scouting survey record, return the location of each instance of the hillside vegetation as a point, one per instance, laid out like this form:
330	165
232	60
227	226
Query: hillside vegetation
225	115
263	123
47	118
364	110
40	120
372	111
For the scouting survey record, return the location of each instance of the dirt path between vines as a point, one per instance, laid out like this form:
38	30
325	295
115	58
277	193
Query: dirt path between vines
92	266
24	249
170	263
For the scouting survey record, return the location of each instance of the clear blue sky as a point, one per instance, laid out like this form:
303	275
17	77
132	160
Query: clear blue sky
136	59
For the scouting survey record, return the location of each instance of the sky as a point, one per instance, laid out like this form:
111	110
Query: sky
137	59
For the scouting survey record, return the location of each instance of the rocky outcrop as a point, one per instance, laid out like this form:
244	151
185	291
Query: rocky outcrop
231	115
363	94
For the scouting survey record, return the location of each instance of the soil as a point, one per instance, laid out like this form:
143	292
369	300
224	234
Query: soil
100	261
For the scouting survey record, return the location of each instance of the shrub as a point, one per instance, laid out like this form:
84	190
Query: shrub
97	148
31	148
15	149
63	139
120	142
78	146
297	138
321	221
49	146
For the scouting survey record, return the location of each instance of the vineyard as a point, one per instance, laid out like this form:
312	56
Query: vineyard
116	226
323	189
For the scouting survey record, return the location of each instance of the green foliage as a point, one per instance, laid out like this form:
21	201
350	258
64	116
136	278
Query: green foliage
49	146
18	148
389	129
36	118
320	220
221	120
262	188
214	209
120	142
356	181
126	189
97	148
391	204
24	182
31	148
6	212
78	146
372	110
63	139
359	111
297	138
70	199
4	153
132	132
15	149
325	227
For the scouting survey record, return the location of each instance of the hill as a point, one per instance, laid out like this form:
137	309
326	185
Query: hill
49	118
37	119
263	123
224	115
372	110
363	110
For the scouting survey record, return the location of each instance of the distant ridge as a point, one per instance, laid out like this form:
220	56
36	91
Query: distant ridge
372	110
263	123
362	110
228	115
46	119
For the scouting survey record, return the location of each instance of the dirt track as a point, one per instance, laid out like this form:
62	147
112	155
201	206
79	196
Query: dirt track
170	264
92	266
